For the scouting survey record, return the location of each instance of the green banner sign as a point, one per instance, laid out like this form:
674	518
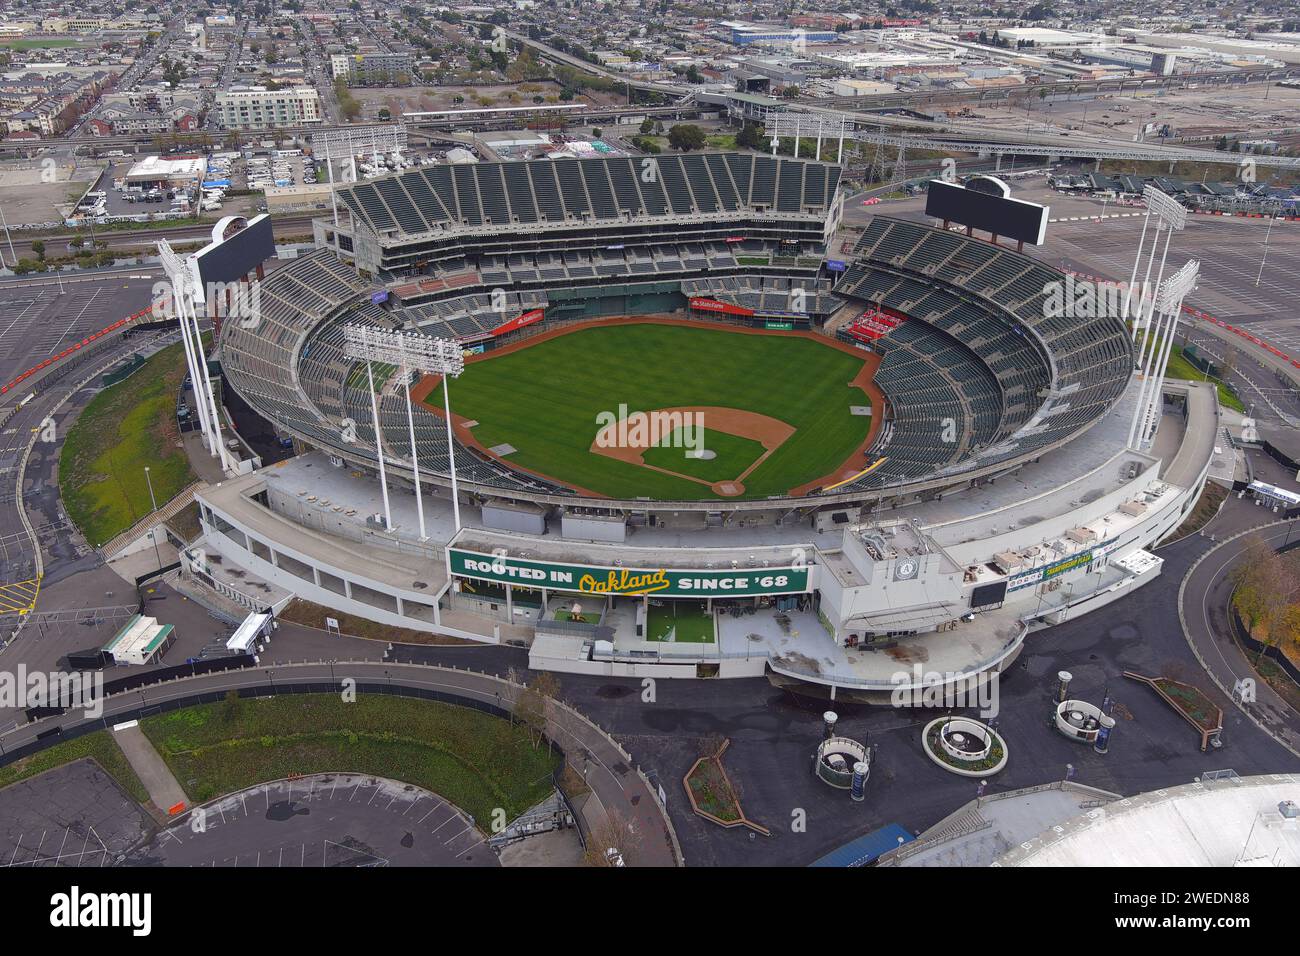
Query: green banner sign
1049	571
786	326
594	579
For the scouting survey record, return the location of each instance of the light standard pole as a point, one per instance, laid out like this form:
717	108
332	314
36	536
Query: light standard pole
153	532
1264	258
411	351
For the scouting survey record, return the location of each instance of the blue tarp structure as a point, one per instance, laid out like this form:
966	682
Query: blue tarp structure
865	850
217	184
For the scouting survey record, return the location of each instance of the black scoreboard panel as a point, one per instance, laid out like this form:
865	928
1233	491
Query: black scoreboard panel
1013	218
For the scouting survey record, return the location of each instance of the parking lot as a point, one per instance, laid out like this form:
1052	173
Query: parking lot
37	320
331	820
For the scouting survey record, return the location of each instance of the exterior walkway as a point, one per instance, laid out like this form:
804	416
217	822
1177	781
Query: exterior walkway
163	788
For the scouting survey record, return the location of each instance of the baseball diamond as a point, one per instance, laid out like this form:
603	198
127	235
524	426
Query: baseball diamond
775	407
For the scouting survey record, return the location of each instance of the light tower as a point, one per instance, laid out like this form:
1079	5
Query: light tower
184	299
1168	306
410	352
1170	216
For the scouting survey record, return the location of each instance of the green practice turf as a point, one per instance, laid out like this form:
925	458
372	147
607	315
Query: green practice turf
544	401
734	455
693	624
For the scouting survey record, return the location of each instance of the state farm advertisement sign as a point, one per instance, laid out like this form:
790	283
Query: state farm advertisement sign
528	318
713	305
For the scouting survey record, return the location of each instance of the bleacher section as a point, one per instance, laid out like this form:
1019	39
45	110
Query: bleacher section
291	368
979	320
441	198
764	295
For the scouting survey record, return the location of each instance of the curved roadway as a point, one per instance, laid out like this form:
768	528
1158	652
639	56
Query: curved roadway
615	783
1203	607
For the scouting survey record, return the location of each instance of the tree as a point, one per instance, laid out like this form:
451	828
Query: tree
611	840
684	136
750	137
38	247
1265	582
647	126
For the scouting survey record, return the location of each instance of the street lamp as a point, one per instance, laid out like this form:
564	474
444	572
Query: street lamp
153	532
411	352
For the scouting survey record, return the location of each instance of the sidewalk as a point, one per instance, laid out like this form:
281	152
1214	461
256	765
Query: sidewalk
163	789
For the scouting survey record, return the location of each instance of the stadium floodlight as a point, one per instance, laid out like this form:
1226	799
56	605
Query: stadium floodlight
1171	216
182	274
1167	304
411	352
793	123
344	141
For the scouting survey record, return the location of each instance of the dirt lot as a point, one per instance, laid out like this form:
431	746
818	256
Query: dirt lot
1204	111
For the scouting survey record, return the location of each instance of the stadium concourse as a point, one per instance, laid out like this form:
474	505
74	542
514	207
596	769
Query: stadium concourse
997	493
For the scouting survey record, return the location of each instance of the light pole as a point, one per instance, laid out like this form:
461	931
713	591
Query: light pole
1264	258
411	351
153	532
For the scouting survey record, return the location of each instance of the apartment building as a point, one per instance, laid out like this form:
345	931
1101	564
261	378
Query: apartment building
260	108
373	69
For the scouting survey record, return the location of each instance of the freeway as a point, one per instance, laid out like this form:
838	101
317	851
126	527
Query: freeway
284	227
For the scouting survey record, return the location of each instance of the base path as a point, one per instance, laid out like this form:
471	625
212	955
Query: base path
164	791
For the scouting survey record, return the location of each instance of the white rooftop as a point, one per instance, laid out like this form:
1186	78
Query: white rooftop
1228	822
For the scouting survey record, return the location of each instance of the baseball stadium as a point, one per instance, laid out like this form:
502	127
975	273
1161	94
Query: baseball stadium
700	429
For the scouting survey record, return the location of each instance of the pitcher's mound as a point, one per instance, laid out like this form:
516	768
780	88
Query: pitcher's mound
703	454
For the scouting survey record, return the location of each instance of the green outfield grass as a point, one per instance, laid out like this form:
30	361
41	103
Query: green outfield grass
734	455
685	622
544	400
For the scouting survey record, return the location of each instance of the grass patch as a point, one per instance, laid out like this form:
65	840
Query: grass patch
544	400
308	614
586	617
1179	367
1207	506
733	455
692	624
124	428
476	761
98	746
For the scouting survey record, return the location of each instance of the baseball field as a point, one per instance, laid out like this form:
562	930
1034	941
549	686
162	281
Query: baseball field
669	410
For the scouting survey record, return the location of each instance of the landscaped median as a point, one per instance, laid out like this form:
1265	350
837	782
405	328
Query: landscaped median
476	761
